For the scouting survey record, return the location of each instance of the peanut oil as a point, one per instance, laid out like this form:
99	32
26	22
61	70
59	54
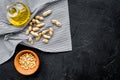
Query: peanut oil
18	14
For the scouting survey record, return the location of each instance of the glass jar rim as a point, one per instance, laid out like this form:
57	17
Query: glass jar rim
12	7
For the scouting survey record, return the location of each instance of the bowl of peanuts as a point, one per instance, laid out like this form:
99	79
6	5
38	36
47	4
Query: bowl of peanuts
26	62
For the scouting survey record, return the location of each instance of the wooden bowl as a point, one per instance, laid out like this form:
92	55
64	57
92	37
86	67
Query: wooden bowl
26	71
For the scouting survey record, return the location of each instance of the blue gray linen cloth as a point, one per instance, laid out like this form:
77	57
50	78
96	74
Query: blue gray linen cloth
11	36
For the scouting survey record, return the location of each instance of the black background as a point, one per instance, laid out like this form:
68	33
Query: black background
95	30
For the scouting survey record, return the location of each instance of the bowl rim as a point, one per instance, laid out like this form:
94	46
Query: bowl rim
22	52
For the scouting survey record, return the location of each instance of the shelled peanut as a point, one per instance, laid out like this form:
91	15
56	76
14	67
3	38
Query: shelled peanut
27	61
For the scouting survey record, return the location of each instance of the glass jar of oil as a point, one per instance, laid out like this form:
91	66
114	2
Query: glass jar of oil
18	14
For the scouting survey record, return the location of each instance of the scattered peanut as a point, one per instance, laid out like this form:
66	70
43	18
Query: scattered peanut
46	36
51	33
37	21
33	20
54	21
46	13
30	28
57	23
51	29
31	24
30	40
27	32
40	25
34	33
27	61
35	29
45	31
38	37
39	18
45	41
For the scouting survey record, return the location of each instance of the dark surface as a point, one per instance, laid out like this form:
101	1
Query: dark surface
95	29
